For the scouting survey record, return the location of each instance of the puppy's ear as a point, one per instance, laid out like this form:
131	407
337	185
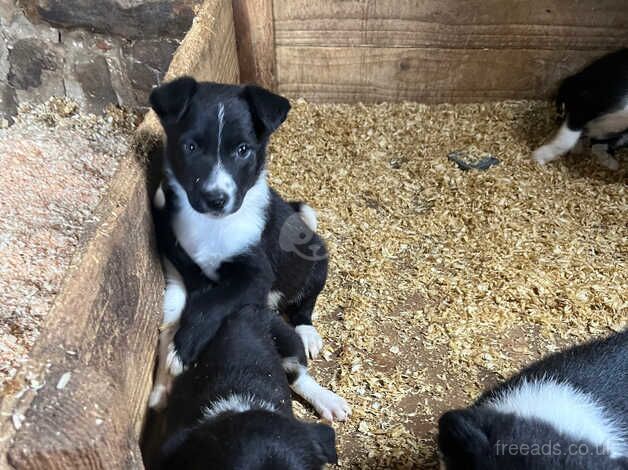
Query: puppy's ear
460	436
269	110
324	439
171	100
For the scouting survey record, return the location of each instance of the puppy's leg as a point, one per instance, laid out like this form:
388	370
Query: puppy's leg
565	140
290	347
604	157
300	315
173	304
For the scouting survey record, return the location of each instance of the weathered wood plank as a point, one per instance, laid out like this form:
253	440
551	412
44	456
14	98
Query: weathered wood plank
496	24
253	20
102	332
349	74
101	337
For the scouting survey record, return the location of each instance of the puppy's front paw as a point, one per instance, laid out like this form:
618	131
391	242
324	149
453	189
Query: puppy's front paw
545	154
157	398
330	406
173	361
312	341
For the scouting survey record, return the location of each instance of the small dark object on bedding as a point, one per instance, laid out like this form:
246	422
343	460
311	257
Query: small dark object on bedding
460	158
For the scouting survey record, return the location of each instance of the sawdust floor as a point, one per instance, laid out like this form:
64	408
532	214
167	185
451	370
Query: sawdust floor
443	282
56	164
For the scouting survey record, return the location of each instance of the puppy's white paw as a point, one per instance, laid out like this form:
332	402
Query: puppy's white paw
157	398
173	361
312	341
330	406
611	164
545	154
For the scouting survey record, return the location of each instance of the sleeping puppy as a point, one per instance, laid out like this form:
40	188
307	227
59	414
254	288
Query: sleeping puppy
233	410
568	411
223	233
595	102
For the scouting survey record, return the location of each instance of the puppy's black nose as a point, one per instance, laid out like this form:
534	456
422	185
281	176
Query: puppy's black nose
214	200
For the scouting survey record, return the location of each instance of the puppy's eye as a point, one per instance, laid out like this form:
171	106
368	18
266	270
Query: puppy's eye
189	147
243	150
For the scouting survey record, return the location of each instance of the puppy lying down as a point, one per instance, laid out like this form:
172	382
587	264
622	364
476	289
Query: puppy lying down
234	408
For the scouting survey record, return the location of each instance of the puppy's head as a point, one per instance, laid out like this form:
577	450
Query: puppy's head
478	438
252	440
216	138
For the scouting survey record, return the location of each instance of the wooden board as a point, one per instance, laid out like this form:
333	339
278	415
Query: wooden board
544	24
434	51
253	20
102	333
351	74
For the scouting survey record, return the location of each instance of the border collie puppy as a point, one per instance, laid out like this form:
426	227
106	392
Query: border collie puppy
595	102
233	410
568	411
222	231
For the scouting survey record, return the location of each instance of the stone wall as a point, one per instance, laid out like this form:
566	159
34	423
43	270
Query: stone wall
95	52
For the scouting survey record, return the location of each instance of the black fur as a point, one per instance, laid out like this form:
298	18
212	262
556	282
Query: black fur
478	438
600	88
243	358
290	258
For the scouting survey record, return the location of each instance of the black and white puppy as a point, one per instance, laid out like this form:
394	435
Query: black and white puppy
222	231
233	410
595	102
568	411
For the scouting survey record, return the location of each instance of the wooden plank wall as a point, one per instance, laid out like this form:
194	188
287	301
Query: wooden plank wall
439	50
86	385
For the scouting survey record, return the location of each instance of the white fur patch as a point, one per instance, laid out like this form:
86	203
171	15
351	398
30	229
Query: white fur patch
221	180
236	403
603	157
159	200
565	408
274	297
326	403
608	124
312	341
564	141
174	301
309	216
175	294
221	125
210	241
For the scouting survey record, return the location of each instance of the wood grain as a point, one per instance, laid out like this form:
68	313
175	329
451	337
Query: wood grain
101	335
439	50
102	331
350	74
496	24
253	20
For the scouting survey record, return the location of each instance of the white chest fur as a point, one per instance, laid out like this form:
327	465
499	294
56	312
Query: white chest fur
566	409
210	241
609	124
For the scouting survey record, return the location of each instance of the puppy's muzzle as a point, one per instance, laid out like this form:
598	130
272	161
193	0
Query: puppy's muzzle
213	201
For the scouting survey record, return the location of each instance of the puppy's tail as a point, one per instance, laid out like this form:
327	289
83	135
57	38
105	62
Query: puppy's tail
307	214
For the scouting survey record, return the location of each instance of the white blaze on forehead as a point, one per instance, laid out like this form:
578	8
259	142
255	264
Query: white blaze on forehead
221	125
220	179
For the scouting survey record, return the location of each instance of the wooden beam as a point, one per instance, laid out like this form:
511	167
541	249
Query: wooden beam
256	43
86	384
452	24
439	50
94	359
352	74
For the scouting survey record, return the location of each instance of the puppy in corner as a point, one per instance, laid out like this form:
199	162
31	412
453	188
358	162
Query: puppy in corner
568	411
225	236
233	410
